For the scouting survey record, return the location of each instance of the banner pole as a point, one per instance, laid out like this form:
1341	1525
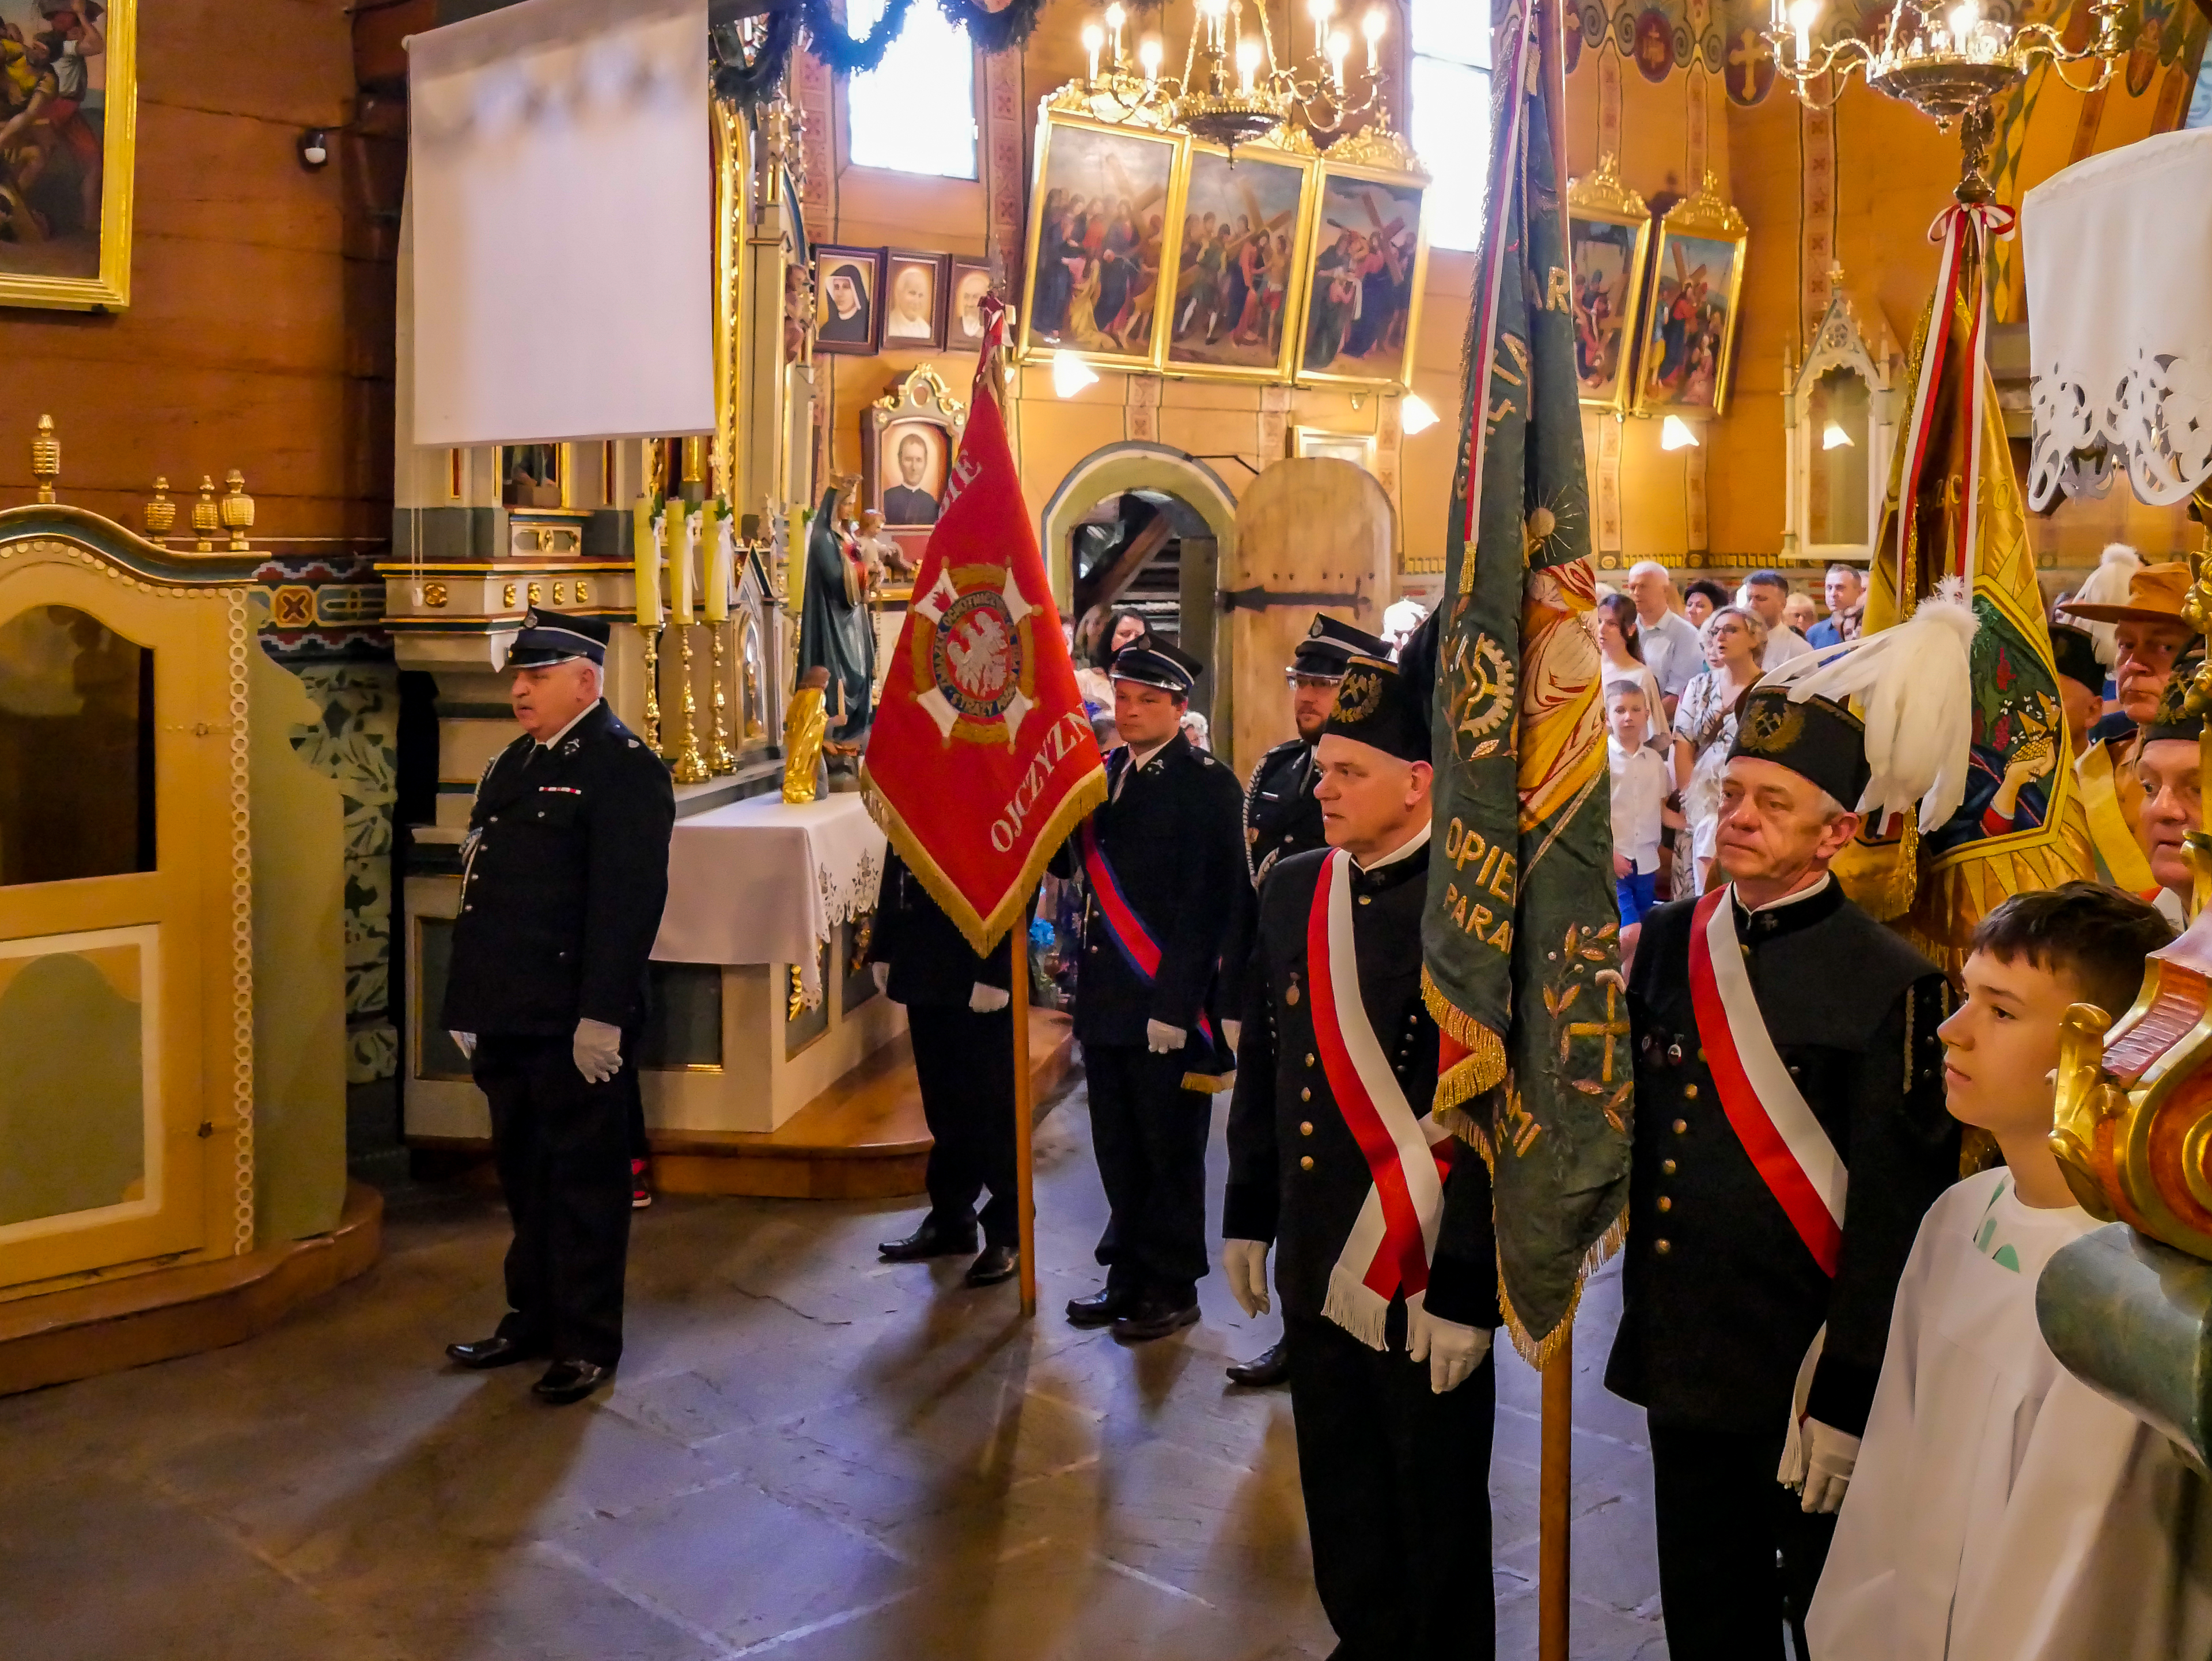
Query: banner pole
1024	1178
1554	1530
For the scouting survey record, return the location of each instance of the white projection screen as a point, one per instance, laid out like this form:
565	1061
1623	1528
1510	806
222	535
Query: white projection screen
561	193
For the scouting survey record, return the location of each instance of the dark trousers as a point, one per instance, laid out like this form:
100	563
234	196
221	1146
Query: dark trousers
1397	1487
1724	1520
561	1144
965	1063
1150	1135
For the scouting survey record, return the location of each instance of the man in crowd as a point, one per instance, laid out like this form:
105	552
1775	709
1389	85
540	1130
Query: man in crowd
1165	879
2167	764
1846	594
1282	817
1765	1081
1763	592
2148	633
565	875
1392	1388
1672	651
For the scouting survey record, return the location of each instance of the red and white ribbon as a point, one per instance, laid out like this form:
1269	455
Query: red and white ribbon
1980	223
1394	1237
1790	1150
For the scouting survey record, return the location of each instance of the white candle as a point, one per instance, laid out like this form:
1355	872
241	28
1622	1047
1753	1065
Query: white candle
645	550
678	531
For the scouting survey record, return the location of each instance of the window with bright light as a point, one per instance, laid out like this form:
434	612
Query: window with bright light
914	112
1451	114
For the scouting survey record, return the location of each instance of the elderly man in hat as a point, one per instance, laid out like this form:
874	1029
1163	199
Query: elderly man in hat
2148	633
565	873
1164	879
1388	1309
1768	1086
2169	760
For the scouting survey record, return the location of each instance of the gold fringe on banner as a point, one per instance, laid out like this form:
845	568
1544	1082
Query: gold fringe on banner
1483	1065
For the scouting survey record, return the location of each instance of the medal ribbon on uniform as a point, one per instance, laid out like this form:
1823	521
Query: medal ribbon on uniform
1389	1249
1123	926
1788	1147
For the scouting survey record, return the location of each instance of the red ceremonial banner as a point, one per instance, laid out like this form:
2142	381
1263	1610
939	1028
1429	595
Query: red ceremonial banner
981	760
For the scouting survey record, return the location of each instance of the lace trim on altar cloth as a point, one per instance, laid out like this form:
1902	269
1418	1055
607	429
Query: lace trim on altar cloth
852	893
2156	424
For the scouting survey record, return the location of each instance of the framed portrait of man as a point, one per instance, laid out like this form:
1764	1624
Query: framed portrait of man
1608	234
963	324
1689	331
848	284
908	438
1239	246
1367	255
69	90
914	286
1101	219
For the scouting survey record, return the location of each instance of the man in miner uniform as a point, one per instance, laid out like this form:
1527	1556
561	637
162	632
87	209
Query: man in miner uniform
1282	817
1164	878
1388	1267
567	870
1786	1050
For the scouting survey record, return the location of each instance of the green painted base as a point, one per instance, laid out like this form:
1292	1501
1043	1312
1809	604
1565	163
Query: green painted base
2133	1319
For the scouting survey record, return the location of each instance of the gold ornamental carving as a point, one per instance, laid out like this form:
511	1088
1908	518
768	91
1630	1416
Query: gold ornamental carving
1379	146
1604	190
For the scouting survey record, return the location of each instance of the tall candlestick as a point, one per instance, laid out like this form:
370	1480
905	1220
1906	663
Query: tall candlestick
720	758
652	636
645	549
691	766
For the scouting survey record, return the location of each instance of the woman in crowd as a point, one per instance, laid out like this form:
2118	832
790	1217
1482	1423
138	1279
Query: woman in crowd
1702	598
1704	725
1623	659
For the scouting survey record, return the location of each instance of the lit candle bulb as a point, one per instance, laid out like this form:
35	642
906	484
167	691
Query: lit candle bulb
1093	38
1115	18
1321	11
1217	12
1371	26
1802	15
1339	48
1148	55
1963	19
1248	62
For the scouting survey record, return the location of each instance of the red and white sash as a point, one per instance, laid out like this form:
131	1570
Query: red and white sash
1791	1151
1389	1249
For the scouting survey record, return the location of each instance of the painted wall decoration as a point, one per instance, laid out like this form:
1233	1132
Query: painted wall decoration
1689	336
1608	235
1362	280
68	121
1099	230
1240	250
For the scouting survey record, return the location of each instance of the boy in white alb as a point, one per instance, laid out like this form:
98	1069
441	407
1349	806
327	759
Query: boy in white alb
1639	791
2002	1510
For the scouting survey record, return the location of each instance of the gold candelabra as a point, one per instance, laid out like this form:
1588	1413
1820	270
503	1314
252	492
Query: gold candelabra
1949	62
691	766
651	635
720	758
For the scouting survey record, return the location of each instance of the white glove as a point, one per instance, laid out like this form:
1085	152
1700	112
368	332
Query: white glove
1245	1263
1829	1455
988	999
1164	1040
1452	1351
1228	1031
882	972
467	1042
597	1050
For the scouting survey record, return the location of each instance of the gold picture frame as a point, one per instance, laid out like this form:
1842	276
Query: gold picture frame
1334	321
1608	246
1210	185
38	272
1139	167
1685	350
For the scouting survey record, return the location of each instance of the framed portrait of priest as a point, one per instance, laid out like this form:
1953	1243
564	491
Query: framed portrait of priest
848	292
1608	238
1100	213
1367	254
1688	334
1240	250
69	89
908	438
963	322
914	299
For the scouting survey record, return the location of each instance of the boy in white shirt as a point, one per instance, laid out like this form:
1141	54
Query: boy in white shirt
2001	1510
1639	790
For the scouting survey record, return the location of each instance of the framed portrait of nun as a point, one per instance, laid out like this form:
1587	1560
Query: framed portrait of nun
1690	325
848	292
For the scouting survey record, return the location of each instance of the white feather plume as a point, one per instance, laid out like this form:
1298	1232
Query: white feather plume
2106	586
1914	682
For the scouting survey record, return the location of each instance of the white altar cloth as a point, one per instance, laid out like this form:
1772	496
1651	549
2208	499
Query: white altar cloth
764	880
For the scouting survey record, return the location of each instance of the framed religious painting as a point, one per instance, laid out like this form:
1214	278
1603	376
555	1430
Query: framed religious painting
1101	210
1688	334
1608	238
914	299
1367	253
848	294
69	91
1239	251
964	323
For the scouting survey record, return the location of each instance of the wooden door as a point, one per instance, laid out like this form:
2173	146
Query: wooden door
126	1040
1312	535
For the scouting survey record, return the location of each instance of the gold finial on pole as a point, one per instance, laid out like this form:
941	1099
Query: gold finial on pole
207	518
691	766
160	512
46	458
237	509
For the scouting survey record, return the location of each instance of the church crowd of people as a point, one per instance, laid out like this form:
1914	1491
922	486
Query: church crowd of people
1860	1445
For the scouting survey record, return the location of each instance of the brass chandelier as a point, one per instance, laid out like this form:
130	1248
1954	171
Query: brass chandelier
1233	89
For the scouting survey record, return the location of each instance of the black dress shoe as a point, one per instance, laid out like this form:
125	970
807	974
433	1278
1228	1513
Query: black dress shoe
994	1264
1153	1315
1100	1309
928	1241
570	1381
1272	1366
493	1352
